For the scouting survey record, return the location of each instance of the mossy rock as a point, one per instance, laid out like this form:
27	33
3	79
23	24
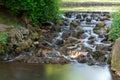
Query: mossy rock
115	61
99	25
35	36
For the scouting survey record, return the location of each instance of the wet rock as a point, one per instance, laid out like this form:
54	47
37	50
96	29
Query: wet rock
74	24
88	20
35	36
91	40
41	38
99	25
101	31
24	45
66	34
43	52
63	22
116	57
90	59
68	14
59	42
102	47
74	54
64	61
56	28
103	18
82	59
63	50
54	60
79	16
34	59
84	15
49	37
99	56
78	33
71	40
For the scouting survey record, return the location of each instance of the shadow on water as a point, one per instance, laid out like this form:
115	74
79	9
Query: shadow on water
74	71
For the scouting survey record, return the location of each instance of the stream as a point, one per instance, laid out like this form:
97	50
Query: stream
82	40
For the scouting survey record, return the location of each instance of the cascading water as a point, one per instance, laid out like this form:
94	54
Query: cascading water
91	38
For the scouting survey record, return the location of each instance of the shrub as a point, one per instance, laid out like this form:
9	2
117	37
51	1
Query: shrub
114	31
37	10
3	40
3	37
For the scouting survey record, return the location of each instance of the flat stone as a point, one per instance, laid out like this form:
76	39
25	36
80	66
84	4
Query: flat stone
5	28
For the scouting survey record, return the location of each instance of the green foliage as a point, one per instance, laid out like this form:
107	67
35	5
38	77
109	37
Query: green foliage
3	40
16	25
114	31
37	10
3	37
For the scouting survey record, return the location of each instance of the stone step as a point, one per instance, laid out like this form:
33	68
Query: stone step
89	4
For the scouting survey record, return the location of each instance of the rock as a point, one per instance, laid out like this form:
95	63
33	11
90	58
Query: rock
74	24
99	56
115	61
103	18
82	59
43	52
90	59
102	47
78	33
5	28
59	42
99	25
33	59
88	19
101	31
91	40
24	45
41	38
71	40
66	34
63	22
35	35
51	36
24	31
68	14
63	61
79	16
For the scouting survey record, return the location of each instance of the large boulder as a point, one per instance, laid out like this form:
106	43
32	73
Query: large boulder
115	61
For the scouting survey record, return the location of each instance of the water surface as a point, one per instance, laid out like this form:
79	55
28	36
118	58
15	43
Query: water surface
74	71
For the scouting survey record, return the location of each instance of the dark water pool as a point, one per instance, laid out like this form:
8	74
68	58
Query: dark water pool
74	71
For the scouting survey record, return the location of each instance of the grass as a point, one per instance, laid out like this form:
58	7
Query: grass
91	0
99	8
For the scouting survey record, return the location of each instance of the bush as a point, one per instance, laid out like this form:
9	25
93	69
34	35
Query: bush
3	40
37	10
114	31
